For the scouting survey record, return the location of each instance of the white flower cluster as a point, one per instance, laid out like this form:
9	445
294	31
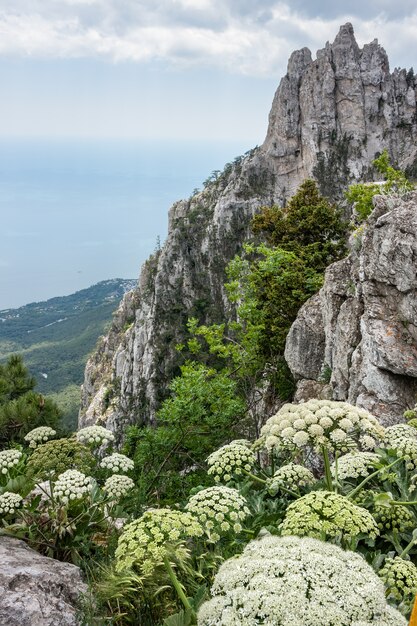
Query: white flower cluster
233	459
288	581
290	476
219	510
9	502
403	439
118	486
117	463
72	485
318	423
39	435
94	435
355	465
9	459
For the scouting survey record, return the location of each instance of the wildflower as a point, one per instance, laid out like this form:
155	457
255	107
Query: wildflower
403	439
9	502
118	486
146	541
400	578
117	463
72	485
219	510
94	436
388	518
39	435
354	465
54	457
291	476
230	460
324	513
317	423
9	459
282	581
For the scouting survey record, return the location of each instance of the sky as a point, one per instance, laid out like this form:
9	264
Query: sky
169	69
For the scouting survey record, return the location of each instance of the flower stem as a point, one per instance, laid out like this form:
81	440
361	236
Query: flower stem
407	548
178	588
327	471
353	493
259	480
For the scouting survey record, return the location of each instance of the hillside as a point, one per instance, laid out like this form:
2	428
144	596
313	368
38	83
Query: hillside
330	117
55	337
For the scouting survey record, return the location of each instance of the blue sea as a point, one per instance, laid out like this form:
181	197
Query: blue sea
74	212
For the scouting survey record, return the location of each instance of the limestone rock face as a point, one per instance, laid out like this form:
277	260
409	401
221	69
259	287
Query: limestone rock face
36	590
363	323
329	118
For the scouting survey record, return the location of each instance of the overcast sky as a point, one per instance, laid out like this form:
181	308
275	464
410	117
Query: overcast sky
170	68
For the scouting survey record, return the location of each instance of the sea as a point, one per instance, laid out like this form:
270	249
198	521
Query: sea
74	212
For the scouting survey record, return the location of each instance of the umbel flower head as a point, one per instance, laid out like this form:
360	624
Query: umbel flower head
288	581
325	514
55	457
146	541
290	476
230	461
219	510
8	460
400	578
72	485
322	423
389	518
355	465
403	439
9	502
118	485
94	436
39	435
117	463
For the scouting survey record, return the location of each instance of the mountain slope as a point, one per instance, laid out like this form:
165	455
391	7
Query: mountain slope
55	337
329	118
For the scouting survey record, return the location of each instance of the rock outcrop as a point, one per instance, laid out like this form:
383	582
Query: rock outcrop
36	590
330	116
361	328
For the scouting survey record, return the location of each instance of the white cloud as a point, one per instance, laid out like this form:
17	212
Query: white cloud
242	37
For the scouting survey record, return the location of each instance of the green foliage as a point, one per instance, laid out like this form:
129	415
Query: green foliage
202	411
21	408
55	338
361	195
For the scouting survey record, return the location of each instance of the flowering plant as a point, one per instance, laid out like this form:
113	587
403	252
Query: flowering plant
8	460
322	423
72	485
94	436
354	465
403	439
39	435
117	486
290	477
288	581
9	502
233	459
400	578
219	510
117	463
323	514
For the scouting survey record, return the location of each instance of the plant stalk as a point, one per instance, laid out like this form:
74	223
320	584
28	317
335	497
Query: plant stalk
178	588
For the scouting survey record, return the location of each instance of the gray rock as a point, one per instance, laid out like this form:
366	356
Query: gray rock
329	117
36	590
368	313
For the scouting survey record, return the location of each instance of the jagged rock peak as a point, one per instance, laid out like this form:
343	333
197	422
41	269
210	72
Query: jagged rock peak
329	118
331	115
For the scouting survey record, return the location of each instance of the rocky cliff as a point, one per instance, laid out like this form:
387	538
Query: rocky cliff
330	116
360	330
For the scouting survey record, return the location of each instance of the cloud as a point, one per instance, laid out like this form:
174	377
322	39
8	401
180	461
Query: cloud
240	36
